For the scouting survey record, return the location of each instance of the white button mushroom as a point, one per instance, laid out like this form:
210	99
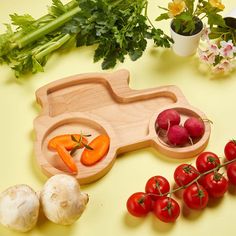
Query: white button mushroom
62	200
19	208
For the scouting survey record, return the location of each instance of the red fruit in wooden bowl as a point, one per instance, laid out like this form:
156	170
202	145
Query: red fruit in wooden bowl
167	118
195	127
177	135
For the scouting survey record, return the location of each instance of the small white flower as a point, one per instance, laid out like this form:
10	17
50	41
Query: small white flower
213	48
205	34
223	67
227	49
207	56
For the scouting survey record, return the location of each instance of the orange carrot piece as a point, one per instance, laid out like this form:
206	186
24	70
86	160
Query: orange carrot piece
66	141
66	158
100	146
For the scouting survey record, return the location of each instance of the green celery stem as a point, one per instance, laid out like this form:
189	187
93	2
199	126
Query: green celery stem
54	47
19	34
48	28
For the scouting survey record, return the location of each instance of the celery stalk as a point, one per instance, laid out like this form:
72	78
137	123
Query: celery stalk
45	18
47	28
54	46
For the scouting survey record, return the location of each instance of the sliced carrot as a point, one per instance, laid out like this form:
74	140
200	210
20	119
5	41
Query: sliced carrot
66	158
66	141
100	146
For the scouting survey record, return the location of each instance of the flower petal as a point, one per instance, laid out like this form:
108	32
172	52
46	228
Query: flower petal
176	7
217	4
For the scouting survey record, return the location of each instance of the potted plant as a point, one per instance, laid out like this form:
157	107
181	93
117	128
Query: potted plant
218	47
186	25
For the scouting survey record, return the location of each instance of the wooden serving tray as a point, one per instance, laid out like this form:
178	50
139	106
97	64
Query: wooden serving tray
97	103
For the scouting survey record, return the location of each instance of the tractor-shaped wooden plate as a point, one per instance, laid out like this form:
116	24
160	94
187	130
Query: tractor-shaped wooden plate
103	103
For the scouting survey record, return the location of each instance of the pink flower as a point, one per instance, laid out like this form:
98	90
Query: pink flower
227	49
213	48
205	34
207	56
219	56
223	67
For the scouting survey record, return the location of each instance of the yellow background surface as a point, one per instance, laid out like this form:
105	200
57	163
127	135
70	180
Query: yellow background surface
106	211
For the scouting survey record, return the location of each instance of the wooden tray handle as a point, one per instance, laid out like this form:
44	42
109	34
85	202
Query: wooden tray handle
119	83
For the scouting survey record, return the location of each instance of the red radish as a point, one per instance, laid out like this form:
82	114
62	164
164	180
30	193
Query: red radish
195	127
178	135
168	118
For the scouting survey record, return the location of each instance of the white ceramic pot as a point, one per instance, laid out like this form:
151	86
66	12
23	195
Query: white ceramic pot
230	18
232	13
185	45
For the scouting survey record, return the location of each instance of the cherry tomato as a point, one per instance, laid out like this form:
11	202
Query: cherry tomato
139	204
184	174
207	161
157	185
195	196
230	150
166	209
215	184
231	173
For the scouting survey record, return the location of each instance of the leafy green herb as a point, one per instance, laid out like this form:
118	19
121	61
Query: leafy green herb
87	147
25	22
117	28
80	143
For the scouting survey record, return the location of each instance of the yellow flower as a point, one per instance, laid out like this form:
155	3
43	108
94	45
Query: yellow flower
217	4
176	7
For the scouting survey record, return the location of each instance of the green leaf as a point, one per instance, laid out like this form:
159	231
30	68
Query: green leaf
74	138
101	51
59	5
23	66
190	27
163	8
163	16
134	55
37	67
177	25
57	8
190	5
108	62
80	138
74	149
5	45
87	146
185	16
25	22
184	23
216	19
87	135
160	39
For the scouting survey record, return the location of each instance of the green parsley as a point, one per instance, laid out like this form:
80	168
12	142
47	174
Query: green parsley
116	27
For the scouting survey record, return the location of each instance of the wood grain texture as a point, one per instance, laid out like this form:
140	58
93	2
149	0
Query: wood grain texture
99	103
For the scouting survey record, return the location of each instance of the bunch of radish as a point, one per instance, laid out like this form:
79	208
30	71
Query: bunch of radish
177	134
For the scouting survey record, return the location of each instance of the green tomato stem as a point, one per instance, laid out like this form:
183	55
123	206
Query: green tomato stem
193	181
201	175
